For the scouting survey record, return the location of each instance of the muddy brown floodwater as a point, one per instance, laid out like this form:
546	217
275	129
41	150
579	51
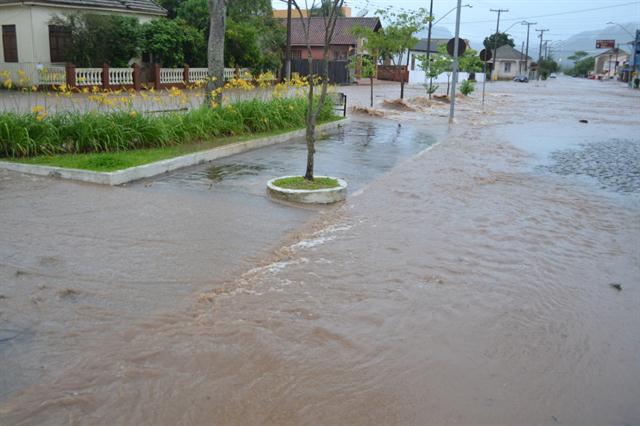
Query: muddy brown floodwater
468	284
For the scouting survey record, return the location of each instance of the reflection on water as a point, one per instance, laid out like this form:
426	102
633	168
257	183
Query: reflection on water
232	171
358	152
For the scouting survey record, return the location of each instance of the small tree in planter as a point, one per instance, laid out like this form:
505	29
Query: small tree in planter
331	13
397	37
368	68
440	63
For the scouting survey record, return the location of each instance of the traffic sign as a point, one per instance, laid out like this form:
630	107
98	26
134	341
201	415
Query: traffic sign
485	55
462	46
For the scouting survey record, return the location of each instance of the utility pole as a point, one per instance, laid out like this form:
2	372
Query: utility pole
429	46
287	54
521	55
546	49
540	52
526	53
454	80
495	42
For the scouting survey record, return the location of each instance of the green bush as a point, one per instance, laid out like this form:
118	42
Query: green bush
28	135
466	88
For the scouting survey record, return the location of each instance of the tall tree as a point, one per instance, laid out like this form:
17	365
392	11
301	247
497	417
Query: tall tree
503	39
215	50
396	38
324	8
314	106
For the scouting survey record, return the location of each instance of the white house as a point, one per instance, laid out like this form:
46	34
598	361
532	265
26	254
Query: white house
609	63
31	44
510	63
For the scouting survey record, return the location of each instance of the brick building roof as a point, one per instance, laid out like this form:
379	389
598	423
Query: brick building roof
341	36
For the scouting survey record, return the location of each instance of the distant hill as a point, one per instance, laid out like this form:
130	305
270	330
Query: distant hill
587	41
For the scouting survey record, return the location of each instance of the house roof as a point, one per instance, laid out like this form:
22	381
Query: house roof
342	34
139	6
614	51
508	53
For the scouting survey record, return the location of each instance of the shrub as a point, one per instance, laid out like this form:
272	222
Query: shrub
466	88
27	135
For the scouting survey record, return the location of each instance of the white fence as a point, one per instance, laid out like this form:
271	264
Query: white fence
171	75
420	77
197	74
31	73
28	74
120	76
88	76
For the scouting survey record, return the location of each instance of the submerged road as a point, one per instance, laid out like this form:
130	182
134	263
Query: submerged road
472	283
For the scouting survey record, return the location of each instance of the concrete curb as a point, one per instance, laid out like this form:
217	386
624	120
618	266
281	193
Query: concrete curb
153	169
309	196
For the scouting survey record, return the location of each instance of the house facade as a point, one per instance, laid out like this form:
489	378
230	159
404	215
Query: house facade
510	63
343	44
31	44
610	62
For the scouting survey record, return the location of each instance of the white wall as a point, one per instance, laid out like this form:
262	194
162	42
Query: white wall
32	29
420	77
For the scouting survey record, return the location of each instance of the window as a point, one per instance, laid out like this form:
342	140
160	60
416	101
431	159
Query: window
9	43
507	67
59	37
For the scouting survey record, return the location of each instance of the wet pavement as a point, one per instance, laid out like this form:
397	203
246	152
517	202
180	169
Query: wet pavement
467	284
358	152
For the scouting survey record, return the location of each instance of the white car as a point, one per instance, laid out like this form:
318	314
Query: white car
553	75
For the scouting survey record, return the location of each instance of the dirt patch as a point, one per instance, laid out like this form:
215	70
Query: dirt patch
398	104
368	111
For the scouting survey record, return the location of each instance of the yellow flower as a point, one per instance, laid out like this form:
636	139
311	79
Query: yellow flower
133	114
37	109
8	83
85	90
34	88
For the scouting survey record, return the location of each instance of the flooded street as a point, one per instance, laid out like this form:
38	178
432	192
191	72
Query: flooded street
472	281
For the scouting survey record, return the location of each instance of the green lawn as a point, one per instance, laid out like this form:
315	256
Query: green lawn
112	161
299	182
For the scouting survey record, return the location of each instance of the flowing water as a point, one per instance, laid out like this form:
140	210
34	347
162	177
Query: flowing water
470	284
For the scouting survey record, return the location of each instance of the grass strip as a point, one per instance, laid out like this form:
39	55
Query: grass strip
299	182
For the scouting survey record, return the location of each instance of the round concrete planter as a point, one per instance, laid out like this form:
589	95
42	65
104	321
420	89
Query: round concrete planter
308	196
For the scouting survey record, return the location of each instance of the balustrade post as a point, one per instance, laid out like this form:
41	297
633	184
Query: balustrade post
137	84
185	75
156	76
70	75
105	76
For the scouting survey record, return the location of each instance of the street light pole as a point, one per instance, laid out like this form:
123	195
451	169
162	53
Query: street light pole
495	42
455	64
526	53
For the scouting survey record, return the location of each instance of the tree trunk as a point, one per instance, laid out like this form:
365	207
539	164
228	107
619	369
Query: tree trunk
215	51
310	135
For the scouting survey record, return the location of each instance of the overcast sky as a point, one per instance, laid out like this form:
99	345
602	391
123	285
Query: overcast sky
571	16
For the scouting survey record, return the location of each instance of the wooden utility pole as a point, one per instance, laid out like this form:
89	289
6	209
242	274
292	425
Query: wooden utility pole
526	52
495	42
540	53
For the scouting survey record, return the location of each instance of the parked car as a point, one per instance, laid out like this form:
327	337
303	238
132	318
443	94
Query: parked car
521	78
553	75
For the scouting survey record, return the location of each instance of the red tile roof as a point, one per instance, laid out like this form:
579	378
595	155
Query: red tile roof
341	36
